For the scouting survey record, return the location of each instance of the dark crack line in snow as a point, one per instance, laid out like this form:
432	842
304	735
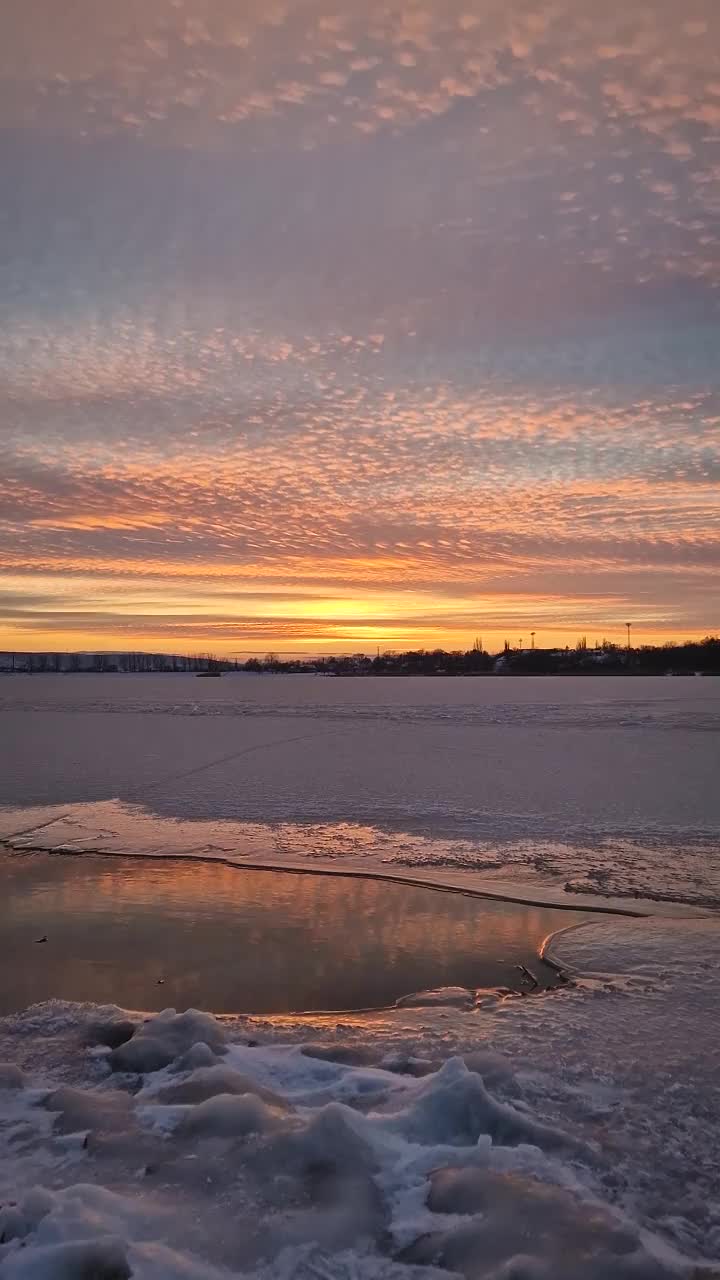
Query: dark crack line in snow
233	755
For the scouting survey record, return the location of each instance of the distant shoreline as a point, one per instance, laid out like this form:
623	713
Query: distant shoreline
397	675
605	658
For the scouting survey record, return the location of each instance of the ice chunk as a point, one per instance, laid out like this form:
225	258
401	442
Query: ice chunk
160	1040
82	1109
330	1140
198	1055
230	1116
454	1107
208	1082
353	1055
18	1221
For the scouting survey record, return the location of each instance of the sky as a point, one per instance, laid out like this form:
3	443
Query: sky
335	324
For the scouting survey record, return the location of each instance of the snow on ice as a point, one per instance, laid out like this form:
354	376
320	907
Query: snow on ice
566	1135
621	868
588	787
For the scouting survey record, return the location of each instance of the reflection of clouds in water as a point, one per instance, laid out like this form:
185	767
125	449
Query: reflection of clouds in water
523	856
266	940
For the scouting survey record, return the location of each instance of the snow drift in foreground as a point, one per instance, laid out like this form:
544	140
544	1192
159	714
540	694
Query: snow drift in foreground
568	1135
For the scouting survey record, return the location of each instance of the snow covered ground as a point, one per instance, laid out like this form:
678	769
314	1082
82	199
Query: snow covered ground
568	1135
552	1137
595	787
631	871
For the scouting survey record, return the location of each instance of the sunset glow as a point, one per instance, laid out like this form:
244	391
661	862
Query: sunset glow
328	327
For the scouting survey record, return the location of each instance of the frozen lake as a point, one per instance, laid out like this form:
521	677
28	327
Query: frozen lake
429	1133
602	785
237	941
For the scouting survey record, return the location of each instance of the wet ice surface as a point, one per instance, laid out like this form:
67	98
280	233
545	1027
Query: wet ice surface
593	786
562	1136
147	934
554	1137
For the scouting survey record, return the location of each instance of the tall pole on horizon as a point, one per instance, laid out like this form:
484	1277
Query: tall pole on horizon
532	639
628	625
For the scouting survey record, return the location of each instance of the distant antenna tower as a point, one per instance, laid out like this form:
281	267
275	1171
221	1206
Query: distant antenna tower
628	625
532	639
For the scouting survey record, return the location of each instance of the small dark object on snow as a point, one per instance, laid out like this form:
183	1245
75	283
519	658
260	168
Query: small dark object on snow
529	975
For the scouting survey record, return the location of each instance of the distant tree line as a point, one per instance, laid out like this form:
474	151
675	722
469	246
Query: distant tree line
75	663
604	658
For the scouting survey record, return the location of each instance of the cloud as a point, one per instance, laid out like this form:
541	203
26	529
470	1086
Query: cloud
391	297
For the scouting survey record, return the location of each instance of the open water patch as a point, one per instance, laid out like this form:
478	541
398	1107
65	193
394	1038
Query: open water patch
149	934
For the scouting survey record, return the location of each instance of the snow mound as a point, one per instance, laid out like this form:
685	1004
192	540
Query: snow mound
160	1040
207	1082
547	1232
454	1108
224	1116
565	1136
78	1109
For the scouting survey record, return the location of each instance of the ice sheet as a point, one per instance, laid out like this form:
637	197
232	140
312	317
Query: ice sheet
565	1135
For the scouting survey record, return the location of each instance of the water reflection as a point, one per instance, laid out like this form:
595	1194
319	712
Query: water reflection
146	935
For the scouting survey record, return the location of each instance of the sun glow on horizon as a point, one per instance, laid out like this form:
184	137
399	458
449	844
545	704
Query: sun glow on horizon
359	325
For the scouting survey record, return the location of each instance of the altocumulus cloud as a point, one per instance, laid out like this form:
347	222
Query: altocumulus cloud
387	321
